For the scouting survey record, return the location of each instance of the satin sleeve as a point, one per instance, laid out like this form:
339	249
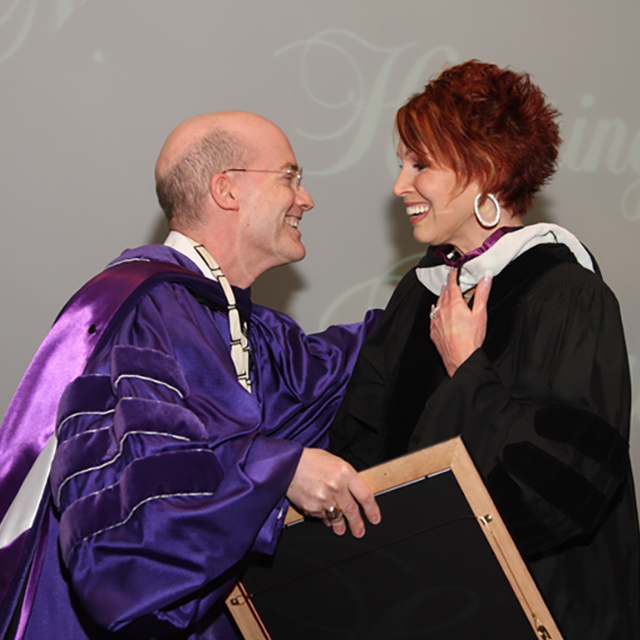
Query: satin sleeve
546	422
302	382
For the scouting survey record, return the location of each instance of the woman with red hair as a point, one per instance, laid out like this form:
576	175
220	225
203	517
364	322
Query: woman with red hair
506	335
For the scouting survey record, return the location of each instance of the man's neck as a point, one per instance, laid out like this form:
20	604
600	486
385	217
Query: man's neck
181	242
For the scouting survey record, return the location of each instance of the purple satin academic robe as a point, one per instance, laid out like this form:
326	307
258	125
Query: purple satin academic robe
168	473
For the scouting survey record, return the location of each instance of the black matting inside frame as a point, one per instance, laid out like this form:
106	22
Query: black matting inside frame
427	571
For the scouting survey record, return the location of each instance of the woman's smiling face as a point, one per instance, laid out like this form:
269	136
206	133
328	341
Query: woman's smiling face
439	211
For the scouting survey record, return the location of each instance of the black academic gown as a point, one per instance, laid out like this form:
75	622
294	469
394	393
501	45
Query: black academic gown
543	408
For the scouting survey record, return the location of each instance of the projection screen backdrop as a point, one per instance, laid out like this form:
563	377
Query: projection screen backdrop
91	88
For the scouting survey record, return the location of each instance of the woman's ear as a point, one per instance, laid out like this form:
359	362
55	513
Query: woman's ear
224	191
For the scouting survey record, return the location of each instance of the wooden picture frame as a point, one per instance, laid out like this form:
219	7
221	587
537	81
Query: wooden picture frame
440	565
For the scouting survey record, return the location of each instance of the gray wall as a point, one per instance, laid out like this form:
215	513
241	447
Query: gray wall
90	89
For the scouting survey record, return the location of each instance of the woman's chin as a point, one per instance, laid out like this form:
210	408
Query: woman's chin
421	236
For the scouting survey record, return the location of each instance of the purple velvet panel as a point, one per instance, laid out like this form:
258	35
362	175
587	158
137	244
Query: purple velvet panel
189	477
129	361
152	416
84	395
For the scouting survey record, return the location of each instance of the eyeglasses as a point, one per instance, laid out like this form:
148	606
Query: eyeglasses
294	174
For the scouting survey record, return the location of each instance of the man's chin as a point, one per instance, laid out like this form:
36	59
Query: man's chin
297	253
291	256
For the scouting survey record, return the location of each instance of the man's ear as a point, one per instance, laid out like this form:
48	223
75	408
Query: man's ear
224	191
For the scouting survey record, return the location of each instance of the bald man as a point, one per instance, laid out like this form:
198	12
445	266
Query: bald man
166	421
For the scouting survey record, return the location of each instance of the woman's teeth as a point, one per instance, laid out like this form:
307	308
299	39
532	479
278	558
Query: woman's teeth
417	209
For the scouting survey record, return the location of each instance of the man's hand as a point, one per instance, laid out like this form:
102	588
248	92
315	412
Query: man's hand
322	481
456	330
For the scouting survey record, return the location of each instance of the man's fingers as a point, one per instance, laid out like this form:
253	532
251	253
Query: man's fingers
365	497
350	515
329	488
354	495
339	525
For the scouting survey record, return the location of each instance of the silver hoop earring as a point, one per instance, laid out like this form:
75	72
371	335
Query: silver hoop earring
481	220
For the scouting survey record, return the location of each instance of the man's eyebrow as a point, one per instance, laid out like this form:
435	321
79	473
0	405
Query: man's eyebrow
290	165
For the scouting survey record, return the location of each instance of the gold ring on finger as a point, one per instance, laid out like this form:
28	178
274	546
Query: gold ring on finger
333	513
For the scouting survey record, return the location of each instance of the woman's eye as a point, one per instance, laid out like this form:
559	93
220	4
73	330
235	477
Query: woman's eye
419	166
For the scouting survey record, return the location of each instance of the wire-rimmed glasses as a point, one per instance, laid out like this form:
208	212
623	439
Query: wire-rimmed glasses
295	173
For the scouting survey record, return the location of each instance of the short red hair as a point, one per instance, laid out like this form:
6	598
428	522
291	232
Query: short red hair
487	124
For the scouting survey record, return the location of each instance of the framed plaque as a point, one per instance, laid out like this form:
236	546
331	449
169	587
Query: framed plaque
441	565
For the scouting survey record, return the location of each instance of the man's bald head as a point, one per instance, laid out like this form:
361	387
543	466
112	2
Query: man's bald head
194	152
248	218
